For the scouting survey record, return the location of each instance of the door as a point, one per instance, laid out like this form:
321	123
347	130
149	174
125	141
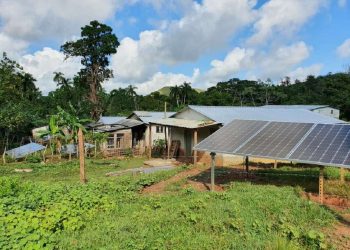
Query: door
188	142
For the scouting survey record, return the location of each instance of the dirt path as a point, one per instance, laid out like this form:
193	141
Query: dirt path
160	186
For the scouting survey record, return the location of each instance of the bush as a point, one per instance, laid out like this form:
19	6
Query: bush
33	158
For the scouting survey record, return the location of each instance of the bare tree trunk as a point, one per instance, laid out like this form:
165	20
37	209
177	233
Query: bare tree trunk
95	112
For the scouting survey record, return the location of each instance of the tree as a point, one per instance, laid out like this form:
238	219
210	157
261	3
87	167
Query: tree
186	90
175	93
130	90
96	44
61	81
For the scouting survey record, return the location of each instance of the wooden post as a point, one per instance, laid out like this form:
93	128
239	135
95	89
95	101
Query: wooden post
342	175
81	155
212	174
320	184
195	141
169	141
166	142
4	156
275	164
149	140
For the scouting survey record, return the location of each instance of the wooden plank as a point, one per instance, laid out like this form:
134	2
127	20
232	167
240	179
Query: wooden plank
212	174
81	155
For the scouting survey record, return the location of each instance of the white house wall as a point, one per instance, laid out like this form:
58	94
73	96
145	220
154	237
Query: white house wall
328	111
155	135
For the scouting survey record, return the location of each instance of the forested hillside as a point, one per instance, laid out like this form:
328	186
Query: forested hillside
24	107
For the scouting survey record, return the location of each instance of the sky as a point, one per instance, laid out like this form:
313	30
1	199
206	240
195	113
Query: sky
167	42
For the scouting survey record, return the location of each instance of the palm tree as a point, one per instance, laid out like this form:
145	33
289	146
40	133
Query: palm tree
185	91
61	80
175	93
130	90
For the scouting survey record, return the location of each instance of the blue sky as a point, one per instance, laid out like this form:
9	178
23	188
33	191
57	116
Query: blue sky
167	42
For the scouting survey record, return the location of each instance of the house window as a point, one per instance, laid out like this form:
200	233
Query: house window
110	141
159	129
115	141
332	111
119	142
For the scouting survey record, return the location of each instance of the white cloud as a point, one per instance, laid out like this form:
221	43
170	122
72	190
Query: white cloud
281	60
42	64
342	3
204	28
42	20
235	60
280	18
343	50
11	46
274	64
301	73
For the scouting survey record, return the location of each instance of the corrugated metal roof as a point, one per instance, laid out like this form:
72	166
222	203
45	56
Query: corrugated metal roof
25	150
109	120
148	117
121	124
183	123
225	114
307	107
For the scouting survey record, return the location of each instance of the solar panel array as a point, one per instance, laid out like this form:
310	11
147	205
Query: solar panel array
324	144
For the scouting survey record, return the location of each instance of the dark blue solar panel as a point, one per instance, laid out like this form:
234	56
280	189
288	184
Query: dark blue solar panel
230	137
276	140
325	144
329	144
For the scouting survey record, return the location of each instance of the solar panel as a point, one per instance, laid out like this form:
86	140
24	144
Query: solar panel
329	144
230	137
275	140
25	150
324	144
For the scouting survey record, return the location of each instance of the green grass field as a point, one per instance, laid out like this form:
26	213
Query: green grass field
49	209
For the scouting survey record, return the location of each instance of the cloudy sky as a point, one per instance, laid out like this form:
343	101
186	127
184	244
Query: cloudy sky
167	42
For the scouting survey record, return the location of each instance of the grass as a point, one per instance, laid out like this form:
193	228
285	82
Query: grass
68	171
307	178
49	208
244	217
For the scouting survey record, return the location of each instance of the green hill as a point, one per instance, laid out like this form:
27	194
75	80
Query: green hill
166	90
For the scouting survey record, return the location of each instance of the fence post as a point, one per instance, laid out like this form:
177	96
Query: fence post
320	184
81	155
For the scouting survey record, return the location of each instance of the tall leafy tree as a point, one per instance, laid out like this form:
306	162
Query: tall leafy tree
96	44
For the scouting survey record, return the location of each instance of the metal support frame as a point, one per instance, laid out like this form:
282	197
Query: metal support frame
212	174
247	164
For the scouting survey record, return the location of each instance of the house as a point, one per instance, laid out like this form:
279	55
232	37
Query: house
157	131
124	136
194	123
321	109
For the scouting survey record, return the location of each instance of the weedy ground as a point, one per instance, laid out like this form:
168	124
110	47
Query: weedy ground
49	208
